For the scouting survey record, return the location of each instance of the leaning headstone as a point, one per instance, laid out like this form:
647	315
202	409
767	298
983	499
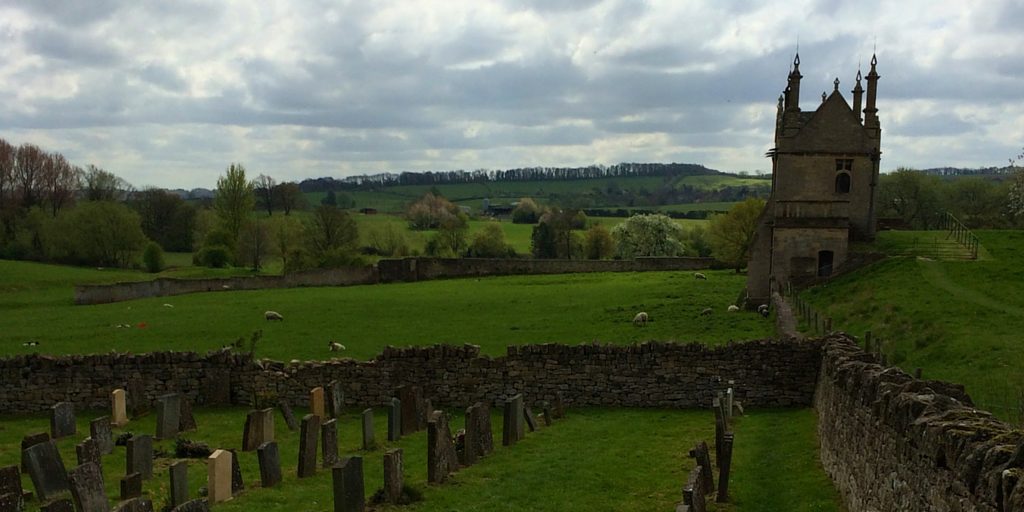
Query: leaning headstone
270	464
335	399
259	429
716	404
316	403
441	457
118	408
237	485
88	451
168	416
723	468
62	420
196	505
32	440
131	486
547	413
99	431
186	420
531	420
412	402
289	416
11	493
513	428
134	505
700	454
329	442
61	505
179	483
87	488
394	419
46	469
349	494
693	496
393	476
368	441
218	479
140	456
308	434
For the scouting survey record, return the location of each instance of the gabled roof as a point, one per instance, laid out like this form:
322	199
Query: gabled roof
834	123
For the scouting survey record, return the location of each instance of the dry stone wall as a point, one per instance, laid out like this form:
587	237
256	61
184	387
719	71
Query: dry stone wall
892	442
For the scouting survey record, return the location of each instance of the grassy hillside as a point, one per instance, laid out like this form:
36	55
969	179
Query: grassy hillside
958	320
593	460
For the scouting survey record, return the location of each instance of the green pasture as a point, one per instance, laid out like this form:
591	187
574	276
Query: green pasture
592	460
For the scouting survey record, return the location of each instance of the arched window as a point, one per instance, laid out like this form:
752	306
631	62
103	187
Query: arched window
843	183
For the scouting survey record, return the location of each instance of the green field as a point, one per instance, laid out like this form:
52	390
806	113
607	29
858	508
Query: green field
593	460
957	320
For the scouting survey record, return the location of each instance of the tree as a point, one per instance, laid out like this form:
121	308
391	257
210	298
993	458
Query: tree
431	211
28	171
912	196
234	201
648	235
58	181
388	240
553	237
265	187
100	233
598	243
731	234
8	203
153	257
450	239
285	237
331	199
1015	198
490	243
254	245
331	230
167	219
100	185
527	212
289	197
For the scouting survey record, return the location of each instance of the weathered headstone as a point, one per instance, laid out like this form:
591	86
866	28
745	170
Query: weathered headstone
546	407
559	407
479	440
99	431
425	410
131	486
716	404
217	386
693	496
531	420
46	469
196	505
728	401
394	419
140	455
349	494
703	458
316	403
512	428
134	505
368	440
393	478
187	421
289	416
412	402
32	440
168	416
218	479
88	451
118	408
724	464
335	399
11	493
62	420
61	505
179	483
308	434
237	485
259	429
137	398
270	464
329	442
441	457
87	490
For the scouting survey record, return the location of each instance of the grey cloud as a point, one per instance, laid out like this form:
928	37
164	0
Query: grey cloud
163	77
73	46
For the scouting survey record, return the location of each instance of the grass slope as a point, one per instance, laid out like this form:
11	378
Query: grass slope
593	460
958	320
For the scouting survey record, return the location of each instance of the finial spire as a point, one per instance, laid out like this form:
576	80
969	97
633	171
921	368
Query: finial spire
823	96
858	75
836	83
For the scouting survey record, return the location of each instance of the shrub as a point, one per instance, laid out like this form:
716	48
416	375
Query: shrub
216	256
526	212
153	257
598	243
490	243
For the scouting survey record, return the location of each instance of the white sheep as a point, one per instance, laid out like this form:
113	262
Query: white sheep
733	308
640	319
273	315
706	312
698	275
334	346
763	310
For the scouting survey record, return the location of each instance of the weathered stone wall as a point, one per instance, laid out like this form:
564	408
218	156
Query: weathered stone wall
766	374
386	271
892	442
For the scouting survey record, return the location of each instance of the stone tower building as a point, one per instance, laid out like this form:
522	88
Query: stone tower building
824	177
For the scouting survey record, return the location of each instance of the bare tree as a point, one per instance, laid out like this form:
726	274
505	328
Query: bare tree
100	185
59	182
289	197
8	202
265	188
28	171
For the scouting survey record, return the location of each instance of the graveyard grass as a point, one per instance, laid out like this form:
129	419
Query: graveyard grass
594	459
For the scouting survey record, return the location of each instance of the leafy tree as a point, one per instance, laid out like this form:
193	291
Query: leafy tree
648	235
254	245
58	182
696	241
331	199
8	201
731	234
527	212
490	243
264	186
331	230
289	197
912	196
100	185
167	219
153	257
598	243
388	240
450	239
553	237
285	236
234	201
1015	196
99	233
28	172
433	211
977	202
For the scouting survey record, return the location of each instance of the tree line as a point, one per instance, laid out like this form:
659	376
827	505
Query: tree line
919	200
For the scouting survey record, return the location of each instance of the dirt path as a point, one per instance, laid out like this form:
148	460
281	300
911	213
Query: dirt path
935	275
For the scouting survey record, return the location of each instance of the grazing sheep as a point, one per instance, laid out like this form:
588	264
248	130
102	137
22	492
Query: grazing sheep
640	319
30	344
763	310
706	312
733	308
273	315
698	275
334	346
168	305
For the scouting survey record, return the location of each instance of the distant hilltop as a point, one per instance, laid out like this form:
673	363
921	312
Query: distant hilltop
958	171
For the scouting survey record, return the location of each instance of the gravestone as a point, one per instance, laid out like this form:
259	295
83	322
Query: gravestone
88	451
693	496
118	408
559	407
259	429
479	440
61	505
368	440
700	454
335	399
179	483
131	486
394	419
716	404
46	469
196	505
308	434
425	410
32	440
140	456
723	468
218	476
289	416
62	420
87	490
217	387
316	403
412	401
187	421
729	401
329	442
441	457
512	428
168	416
546	407
531	420
134	505
137	398
237	485
349	494
270	464
11	494
393	476
99	431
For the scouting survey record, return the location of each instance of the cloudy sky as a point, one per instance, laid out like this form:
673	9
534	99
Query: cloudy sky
169	93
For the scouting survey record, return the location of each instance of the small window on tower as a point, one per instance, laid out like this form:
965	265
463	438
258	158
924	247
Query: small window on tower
844	164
